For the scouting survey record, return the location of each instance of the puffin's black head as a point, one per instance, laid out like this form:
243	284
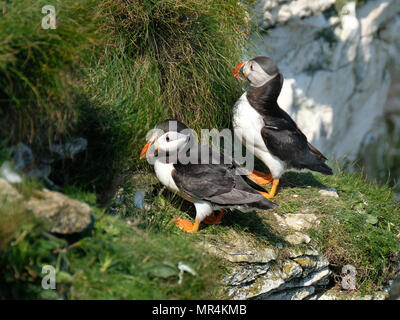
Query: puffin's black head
171	125
258	71
266	64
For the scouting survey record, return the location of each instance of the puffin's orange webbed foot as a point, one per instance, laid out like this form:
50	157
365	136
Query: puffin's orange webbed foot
186	225
271	194
260	178
212	219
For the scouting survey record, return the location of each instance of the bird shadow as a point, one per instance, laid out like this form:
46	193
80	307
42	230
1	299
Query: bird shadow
252	222
291	179
300	180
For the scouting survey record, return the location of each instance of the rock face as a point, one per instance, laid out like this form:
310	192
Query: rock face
341	70
265	272
295	279
63	215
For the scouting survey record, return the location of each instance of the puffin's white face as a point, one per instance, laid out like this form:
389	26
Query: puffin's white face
171	142
255	74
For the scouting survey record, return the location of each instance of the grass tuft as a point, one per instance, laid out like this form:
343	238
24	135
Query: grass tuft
112	70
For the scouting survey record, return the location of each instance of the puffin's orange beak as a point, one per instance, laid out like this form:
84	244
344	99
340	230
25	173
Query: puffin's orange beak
236	71
145	148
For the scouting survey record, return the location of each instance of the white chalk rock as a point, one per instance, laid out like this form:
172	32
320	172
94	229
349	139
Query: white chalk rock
340	70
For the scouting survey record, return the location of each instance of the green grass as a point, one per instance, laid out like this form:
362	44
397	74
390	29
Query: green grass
117	261
35	68
348	232
110	71
134	255
360	228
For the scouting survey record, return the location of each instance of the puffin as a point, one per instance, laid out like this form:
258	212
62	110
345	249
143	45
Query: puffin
211	186
268	131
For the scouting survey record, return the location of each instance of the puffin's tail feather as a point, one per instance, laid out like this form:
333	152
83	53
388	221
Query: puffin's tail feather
264	204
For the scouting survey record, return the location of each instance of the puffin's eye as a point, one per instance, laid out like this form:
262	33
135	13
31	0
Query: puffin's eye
251	67
167	138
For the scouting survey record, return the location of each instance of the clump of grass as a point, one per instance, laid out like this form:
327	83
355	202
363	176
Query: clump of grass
111	71
35	68
195	45
135	264
24	248
165	59
361	228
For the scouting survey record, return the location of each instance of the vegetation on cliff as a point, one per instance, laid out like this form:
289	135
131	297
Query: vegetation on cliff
109	72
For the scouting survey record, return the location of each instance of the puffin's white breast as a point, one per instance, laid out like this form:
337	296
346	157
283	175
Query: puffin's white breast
247	124
164	174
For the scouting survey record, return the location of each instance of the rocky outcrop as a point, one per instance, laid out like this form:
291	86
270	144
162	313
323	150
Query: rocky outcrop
340	67
281	271
61	214
293	278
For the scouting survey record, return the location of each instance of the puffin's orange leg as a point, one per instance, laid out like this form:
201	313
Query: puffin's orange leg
260	178
187	225
212	219
271	194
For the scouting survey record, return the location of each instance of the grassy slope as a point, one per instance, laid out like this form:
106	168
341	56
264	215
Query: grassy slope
109	72
348	233
111	93
134	255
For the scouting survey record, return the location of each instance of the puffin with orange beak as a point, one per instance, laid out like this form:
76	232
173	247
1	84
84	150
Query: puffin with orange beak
267	130
209	186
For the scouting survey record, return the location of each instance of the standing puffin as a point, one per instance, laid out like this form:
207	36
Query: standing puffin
209	186
268	131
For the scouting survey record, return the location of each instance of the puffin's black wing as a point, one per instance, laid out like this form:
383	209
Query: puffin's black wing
283	138
212	182
286	141
218	183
